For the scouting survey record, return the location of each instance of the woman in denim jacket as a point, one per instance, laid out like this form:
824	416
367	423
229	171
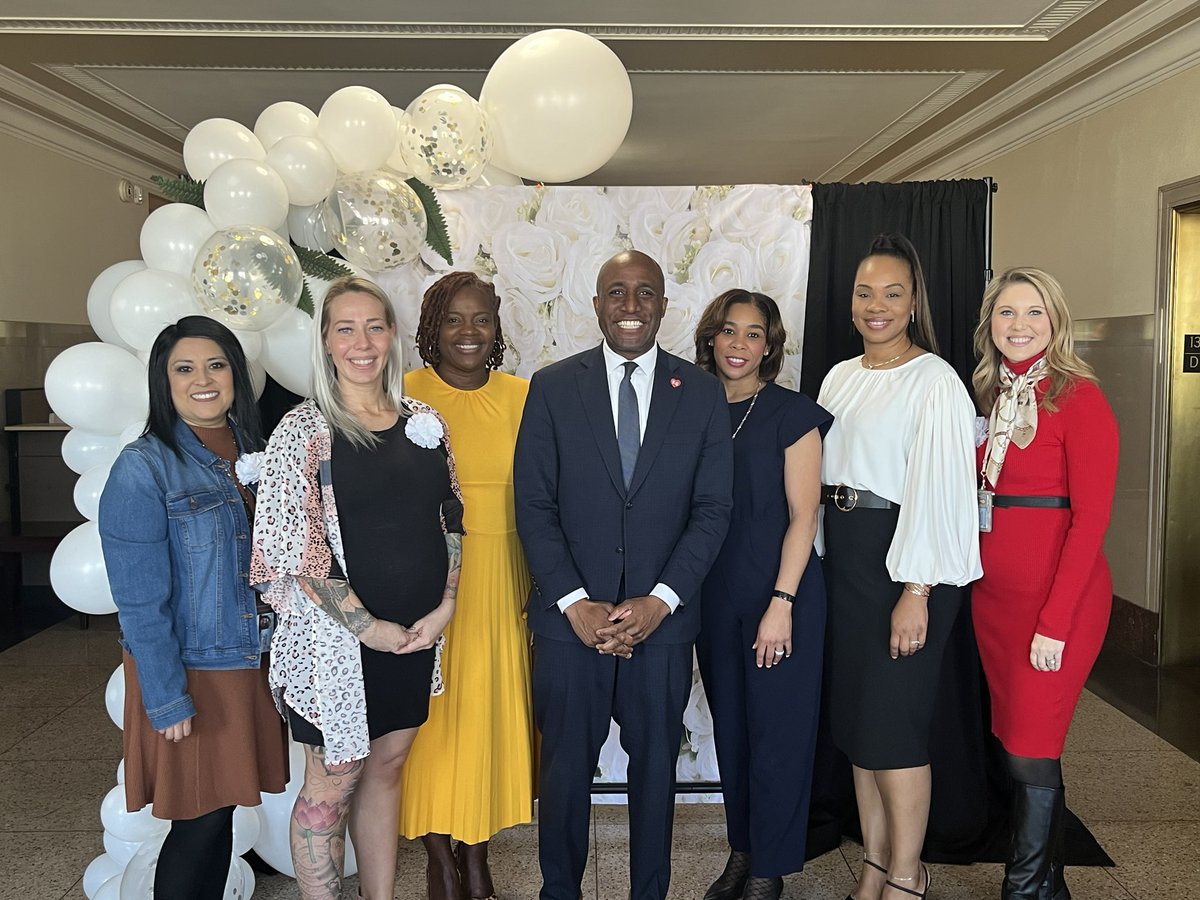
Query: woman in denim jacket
201	732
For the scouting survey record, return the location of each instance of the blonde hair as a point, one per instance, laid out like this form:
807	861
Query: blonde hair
1062	362
326	393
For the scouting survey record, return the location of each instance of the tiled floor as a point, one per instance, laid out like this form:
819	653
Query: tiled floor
1138	794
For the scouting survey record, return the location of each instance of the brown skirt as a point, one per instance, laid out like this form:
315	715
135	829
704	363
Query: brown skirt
237	748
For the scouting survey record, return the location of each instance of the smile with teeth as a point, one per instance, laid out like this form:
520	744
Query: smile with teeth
1021	339
629	324
205	395
878	323
468	348
362	363
735	360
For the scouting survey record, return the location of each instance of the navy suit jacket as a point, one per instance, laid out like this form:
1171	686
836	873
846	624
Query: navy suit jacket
578	524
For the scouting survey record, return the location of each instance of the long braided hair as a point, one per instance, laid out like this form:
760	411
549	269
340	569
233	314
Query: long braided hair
433	313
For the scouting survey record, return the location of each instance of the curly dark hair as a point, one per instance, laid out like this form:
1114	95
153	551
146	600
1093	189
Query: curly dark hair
433	314
712	320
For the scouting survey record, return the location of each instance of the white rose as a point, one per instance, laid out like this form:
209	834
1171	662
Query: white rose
672	238
525	327
677	333
530	258
743	210
462	227
424	429
584	259
580	213
574	331
780	248
494	207
631	202
722	266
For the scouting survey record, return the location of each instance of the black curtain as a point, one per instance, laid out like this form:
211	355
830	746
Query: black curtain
947	223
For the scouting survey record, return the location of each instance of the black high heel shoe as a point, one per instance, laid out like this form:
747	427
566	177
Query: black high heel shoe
758	888
732	882
873	865
918	894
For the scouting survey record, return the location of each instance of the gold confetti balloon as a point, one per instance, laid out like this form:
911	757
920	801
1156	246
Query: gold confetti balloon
445	139
376	221
247	277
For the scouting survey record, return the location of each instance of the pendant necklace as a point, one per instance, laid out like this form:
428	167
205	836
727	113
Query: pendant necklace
753	400
878	365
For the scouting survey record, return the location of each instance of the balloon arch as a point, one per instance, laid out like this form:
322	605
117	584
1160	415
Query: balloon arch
259	212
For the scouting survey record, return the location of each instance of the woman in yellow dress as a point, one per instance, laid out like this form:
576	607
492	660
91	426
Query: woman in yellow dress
471	770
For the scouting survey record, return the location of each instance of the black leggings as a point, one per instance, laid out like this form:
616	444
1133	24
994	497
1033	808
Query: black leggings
193	863
1036	771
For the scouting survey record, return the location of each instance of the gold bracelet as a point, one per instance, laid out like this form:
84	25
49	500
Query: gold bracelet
908	586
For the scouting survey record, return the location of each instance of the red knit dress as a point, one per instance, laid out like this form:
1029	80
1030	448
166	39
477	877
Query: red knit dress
1044	570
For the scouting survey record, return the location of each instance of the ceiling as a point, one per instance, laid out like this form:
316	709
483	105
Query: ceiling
755	91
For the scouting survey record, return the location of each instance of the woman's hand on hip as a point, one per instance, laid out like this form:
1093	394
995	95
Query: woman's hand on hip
773	643
386	637
910	625
427	629
1045	654
177	732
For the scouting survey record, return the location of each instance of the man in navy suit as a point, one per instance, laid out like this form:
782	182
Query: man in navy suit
623	477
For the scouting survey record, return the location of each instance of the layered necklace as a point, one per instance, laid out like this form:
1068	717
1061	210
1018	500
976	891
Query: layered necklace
880	365
750	409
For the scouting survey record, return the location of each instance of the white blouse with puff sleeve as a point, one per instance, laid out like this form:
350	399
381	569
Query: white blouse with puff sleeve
908	434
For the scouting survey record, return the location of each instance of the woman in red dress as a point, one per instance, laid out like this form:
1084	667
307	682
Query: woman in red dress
1048	471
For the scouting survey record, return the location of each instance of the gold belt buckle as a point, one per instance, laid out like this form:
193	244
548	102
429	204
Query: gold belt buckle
851	497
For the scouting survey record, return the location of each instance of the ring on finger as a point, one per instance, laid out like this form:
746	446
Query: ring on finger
779	652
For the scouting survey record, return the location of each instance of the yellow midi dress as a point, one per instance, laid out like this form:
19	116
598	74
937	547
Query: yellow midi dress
471	770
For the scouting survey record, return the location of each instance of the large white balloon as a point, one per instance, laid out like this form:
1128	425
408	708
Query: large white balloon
81	450
246	192
97	387
114	702
247	826
147	302
88	488
78	575
121	851
359	128
247	877
215	141
559	103
235	881
100	297
306	167
99	870
137	882
172	234
285	353
129	826
111	889
284	119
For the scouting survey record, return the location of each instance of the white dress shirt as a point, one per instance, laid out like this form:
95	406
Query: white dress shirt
643	384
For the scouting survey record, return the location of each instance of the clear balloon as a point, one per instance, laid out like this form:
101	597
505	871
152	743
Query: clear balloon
306	167
88	488
284	119
81	450
307	227
100	297
172	234
357	125
286	352
215	141
559	103
376	220
97	387
99	870
246	192
247	277
129	826
78	575
114	703
147	302
446	141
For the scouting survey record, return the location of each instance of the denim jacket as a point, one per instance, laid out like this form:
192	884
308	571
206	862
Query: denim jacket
177	549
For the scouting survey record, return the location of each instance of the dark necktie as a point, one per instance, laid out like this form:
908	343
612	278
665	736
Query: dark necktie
629	436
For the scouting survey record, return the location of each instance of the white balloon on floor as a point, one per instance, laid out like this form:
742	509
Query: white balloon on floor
100	870
114	703
132	827
121	851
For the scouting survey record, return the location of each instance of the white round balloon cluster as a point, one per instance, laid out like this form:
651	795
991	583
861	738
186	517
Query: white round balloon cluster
554	107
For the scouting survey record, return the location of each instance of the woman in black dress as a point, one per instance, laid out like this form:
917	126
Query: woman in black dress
364	580
760	645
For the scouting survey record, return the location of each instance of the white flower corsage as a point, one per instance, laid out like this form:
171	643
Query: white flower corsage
981	431
249	468
424	429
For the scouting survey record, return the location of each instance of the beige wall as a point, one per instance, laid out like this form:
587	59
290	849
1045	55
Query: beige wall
1082	202
62	225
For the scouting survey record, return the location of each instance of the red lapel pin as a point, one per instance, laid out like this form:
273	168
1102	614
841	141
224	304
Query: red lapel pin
675	382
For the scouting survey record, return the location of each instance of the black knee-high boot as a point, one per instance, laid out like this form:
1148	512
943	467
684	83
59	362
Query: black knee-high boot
1036	820
1054	887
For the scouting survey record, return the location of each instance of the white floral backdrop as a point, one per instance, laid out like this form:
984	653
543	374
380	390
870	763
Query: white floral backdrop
542	247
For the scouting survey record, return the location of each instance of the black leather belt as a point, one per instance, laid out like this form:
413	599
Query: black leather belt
845	498
1007	500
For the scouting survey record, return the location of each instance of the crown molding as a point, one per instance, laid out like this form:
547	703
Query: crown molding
86	79
1098	73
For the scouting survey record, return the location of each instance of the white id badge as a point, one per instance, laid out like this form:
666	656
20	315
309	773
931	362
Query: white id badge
985	508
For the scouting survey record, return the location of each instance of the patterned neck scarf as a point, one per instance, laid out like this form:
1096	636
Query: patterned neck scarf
1014	417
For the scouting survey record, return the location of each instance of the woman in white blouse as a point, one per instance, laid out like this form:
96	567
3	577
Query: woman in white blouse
901	539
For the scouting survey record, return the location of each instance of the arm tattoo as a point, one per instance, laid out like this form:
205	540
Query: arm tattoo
334	598
454	560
